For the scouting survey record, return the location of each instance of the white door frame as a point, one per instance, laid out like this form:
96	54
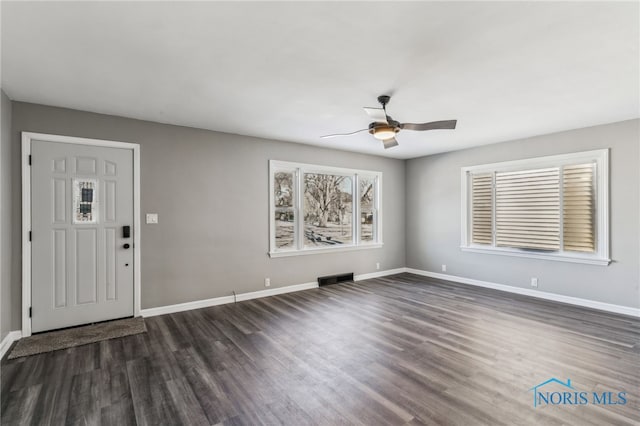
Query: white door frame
27	137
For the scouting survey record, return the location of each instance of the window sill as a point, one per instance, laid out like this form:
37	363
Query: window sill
305	252
544	256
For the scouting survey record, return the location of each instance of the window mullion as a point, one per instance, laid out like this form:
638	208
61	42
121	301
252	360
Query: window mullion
299	213
355	210
595	208
561	207
493	210
375	229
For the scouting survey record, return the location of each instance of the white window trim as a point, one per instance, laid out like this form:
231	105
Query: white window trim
299	170
601	158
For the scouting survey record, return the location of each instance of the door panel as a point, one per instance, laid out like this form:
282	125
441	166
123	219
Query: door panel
86	266
59	200
81	197
110	201
60	267
110	263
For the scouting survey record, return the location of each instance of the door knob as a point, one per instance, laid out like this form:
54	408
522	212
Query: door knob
126	246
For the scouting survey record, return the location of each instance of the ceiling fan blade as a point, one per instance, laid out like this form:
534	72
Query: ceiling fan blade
390	143
378	115
434	125
342	134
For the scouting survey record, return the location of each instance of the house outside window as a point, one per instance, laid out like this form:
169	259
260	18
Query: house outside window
315	209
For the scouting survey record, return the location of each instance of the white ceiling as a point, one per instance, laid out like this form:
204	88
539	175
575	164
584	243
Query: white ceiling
295	71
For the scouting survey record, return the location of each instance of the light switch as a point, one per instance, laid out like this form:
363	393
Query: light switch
152	218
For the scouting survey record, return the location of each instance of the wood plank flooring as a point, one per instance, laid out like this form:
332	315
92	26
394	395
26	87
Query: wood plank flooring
400	350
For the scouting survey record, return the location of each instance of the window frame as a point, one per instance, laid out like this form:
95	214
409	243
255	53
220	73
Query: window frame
601	197
299	170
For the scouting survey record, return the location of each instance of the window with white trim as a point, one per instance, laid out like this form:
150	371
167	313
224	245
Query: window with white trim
317	208
553	207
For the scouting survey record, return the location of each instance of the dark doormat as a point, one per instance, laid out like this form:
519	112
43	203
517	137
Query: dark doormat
78	336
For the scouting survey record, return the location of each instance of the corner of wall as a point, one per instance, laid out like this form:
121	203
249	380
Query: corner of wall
433	217
406	211
6	308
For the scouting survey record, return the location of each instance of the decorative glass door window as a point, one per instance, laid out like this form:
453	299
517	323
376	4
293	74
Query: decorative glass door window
85	201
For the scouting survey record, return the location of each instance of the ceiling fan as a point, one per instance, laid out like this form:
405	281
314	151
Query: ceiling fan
385	128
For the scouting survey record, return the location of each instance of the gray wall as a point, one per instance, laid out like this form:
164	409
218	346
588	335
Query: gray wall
211	193
7	305
433	217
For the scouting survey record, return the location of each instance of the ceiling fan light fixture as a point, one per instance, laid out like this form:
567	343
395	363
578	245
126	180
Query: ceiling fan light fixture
384	128
384	132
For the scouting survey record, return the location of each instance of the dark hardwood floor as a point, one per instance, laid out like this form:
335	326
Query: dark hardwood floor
395	350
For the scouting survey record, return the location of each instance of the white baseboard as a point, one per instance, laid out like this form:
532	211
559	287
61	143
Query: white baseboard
11	337
608	307
276	291
379	274
198	304
187	306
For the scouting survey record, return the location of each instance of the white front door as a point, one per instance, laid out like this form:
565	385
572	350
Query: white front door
82	254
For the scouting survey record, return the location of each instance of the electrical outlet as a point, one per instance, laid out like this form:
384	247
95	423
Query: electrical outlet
444	268
377	265
152	218
534	282
267	282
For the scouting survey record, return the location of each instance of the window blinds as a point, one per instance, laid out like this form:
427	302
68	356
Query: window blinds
578	208
528	209
482	206
543	209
